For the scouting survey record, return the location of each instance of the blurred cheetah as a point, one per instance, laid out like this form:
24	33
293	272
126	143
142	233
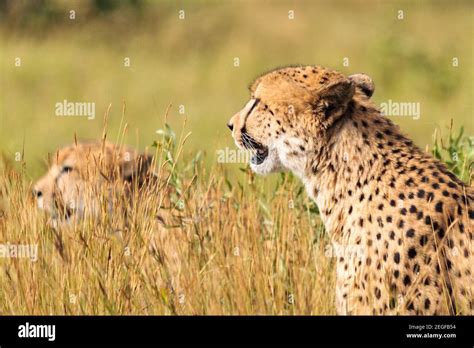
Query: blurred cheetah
79	172
375	189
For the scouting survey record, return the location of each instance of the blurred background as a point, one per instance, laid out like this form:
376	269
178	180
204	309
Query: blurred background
200	56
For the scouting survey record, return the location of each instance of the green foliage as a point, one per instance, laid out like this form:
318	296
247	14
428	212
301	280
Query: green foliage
457	152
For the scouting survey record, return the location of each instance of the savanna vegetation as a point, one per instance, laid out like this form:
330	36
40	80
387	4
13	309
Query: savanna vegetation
226	241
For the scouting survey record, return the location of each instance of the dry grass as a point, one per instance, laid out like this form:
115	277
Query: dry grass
197	242
234	244
229	248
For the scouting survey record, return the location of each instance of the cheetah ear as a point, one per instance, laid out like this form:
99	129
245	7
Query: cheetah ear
364	83
332	100
136	167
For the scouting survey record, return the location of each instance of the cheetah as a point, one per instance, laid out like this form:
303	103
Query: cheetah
78	174
407	215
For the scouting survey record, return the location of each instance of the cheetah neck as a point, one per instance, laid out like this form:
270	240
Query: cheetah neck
354	166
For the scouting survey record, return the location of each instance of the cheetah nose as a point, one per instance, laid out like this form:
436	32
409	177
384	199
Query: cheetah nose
37	193
231	126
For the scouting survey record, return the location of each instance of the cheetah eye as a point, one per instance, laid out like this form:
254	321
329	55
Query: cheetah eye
66	169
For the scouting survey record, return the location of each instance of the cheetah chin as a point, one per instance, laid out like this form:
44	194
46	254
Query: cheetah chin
265	161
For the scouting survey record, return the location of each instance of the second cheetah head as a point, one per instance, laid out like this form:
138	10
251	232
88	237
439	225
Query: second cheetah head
79	173
291	111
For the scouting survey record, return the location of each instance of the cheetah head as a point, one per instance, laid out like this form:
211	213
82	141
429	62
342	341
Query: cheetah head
78	173
291	111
